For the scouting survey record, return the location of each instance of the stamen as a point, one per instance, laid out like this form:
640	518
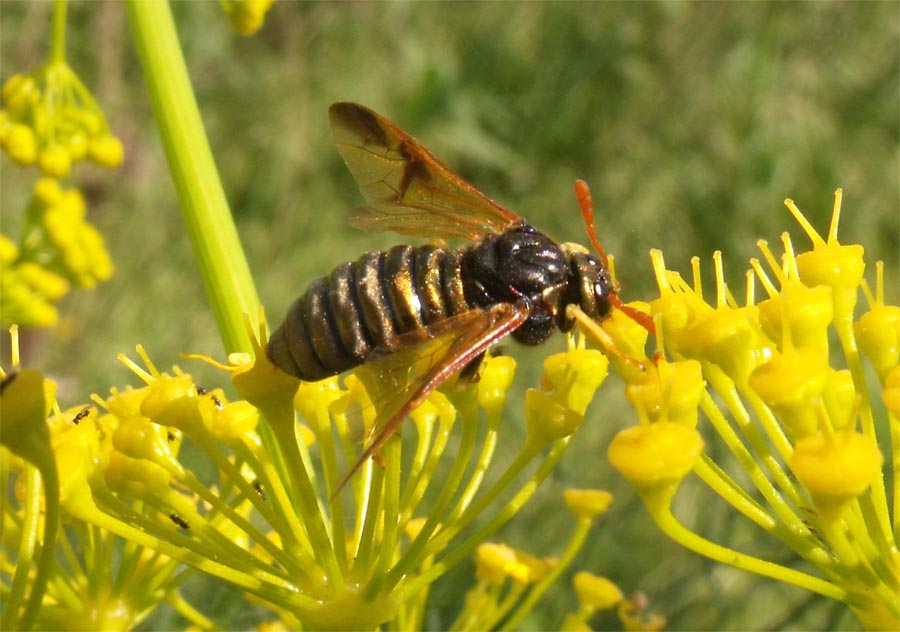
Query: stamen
835	216
730	301
131	364
695	269
763	245
790	260
770	288
14	346
659	271
147	361
879	282
751	288
208	360
721	298
804	223
660	338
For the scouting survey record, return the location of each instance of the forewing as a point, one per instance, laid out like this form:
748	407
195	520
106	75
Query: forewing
399	381
409	191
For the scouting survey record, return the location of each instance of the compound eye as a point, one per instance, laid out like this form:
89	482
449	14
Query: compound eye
603	284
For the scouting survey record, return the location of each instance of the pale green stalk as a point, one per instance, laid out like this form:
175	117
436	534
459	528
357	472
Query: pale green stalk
204	208
58	50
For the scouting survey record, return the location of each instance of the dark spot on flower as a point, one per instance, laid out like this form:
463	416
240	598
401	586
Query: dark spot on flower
81	415
181	522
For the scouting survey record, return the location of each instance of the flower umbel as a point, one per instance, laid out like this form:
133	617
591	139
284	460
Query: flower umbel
59	248
264	518
51	119
803	429
96	580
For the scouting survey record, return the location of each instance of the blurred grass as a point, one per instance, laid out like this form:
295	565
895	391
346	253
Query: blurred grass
691	121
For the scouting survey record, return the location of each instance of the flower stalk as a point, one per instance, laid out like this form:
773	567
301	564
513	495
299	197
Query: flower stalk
217	248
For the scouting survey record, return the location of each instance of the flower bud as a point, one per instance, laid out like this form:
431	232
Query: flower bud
497	374
878	336
576	375
596	593
587	503
547	419
172	401
21	144
790	384
836	467
55	161
809	312
654	454
726	338
106	151
669	390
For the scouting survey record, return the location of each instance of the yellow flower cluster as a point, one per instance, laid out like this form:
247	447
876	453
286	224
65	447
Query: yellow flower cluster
28	291
76	451
246	16
58	249
510	581
784	410
265	517
51	119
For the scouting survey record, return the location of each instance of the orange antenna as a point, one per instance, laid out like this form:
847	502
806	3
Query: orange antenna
586	202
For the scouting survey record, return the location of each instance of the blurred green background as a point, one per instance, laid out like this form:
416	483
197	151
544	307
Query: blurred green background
691	122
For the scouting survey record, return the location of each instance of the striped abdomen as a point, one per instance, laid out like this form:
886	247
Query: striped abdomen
366	304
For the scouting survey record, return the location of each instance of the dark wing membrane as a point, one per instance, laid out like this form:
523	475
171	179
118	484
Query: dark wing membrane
409	191
398	381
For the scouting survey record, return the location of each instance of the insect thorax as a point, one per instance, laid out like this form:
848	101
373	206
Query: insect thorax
521	264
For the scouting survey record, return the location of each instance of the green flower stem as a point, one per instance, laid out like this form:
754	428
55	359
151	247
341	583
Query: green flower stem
27	541
870	526
727	390
501	517
805	545
328	456
314	524
36	480
210	226
47	558
669	525
867	423
484	460
504	605
422	473
295	570
262	584
280	515
391	505
413	556
233	473
737	447
575	545
186	610
58	50
371	499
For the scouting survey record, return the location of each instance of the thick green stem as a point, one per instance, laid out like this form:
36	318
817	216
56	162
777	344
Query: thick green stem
210	226
58	52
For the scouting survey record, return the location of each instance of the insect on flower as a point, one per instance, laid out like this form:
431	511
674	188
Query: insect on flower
417	315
